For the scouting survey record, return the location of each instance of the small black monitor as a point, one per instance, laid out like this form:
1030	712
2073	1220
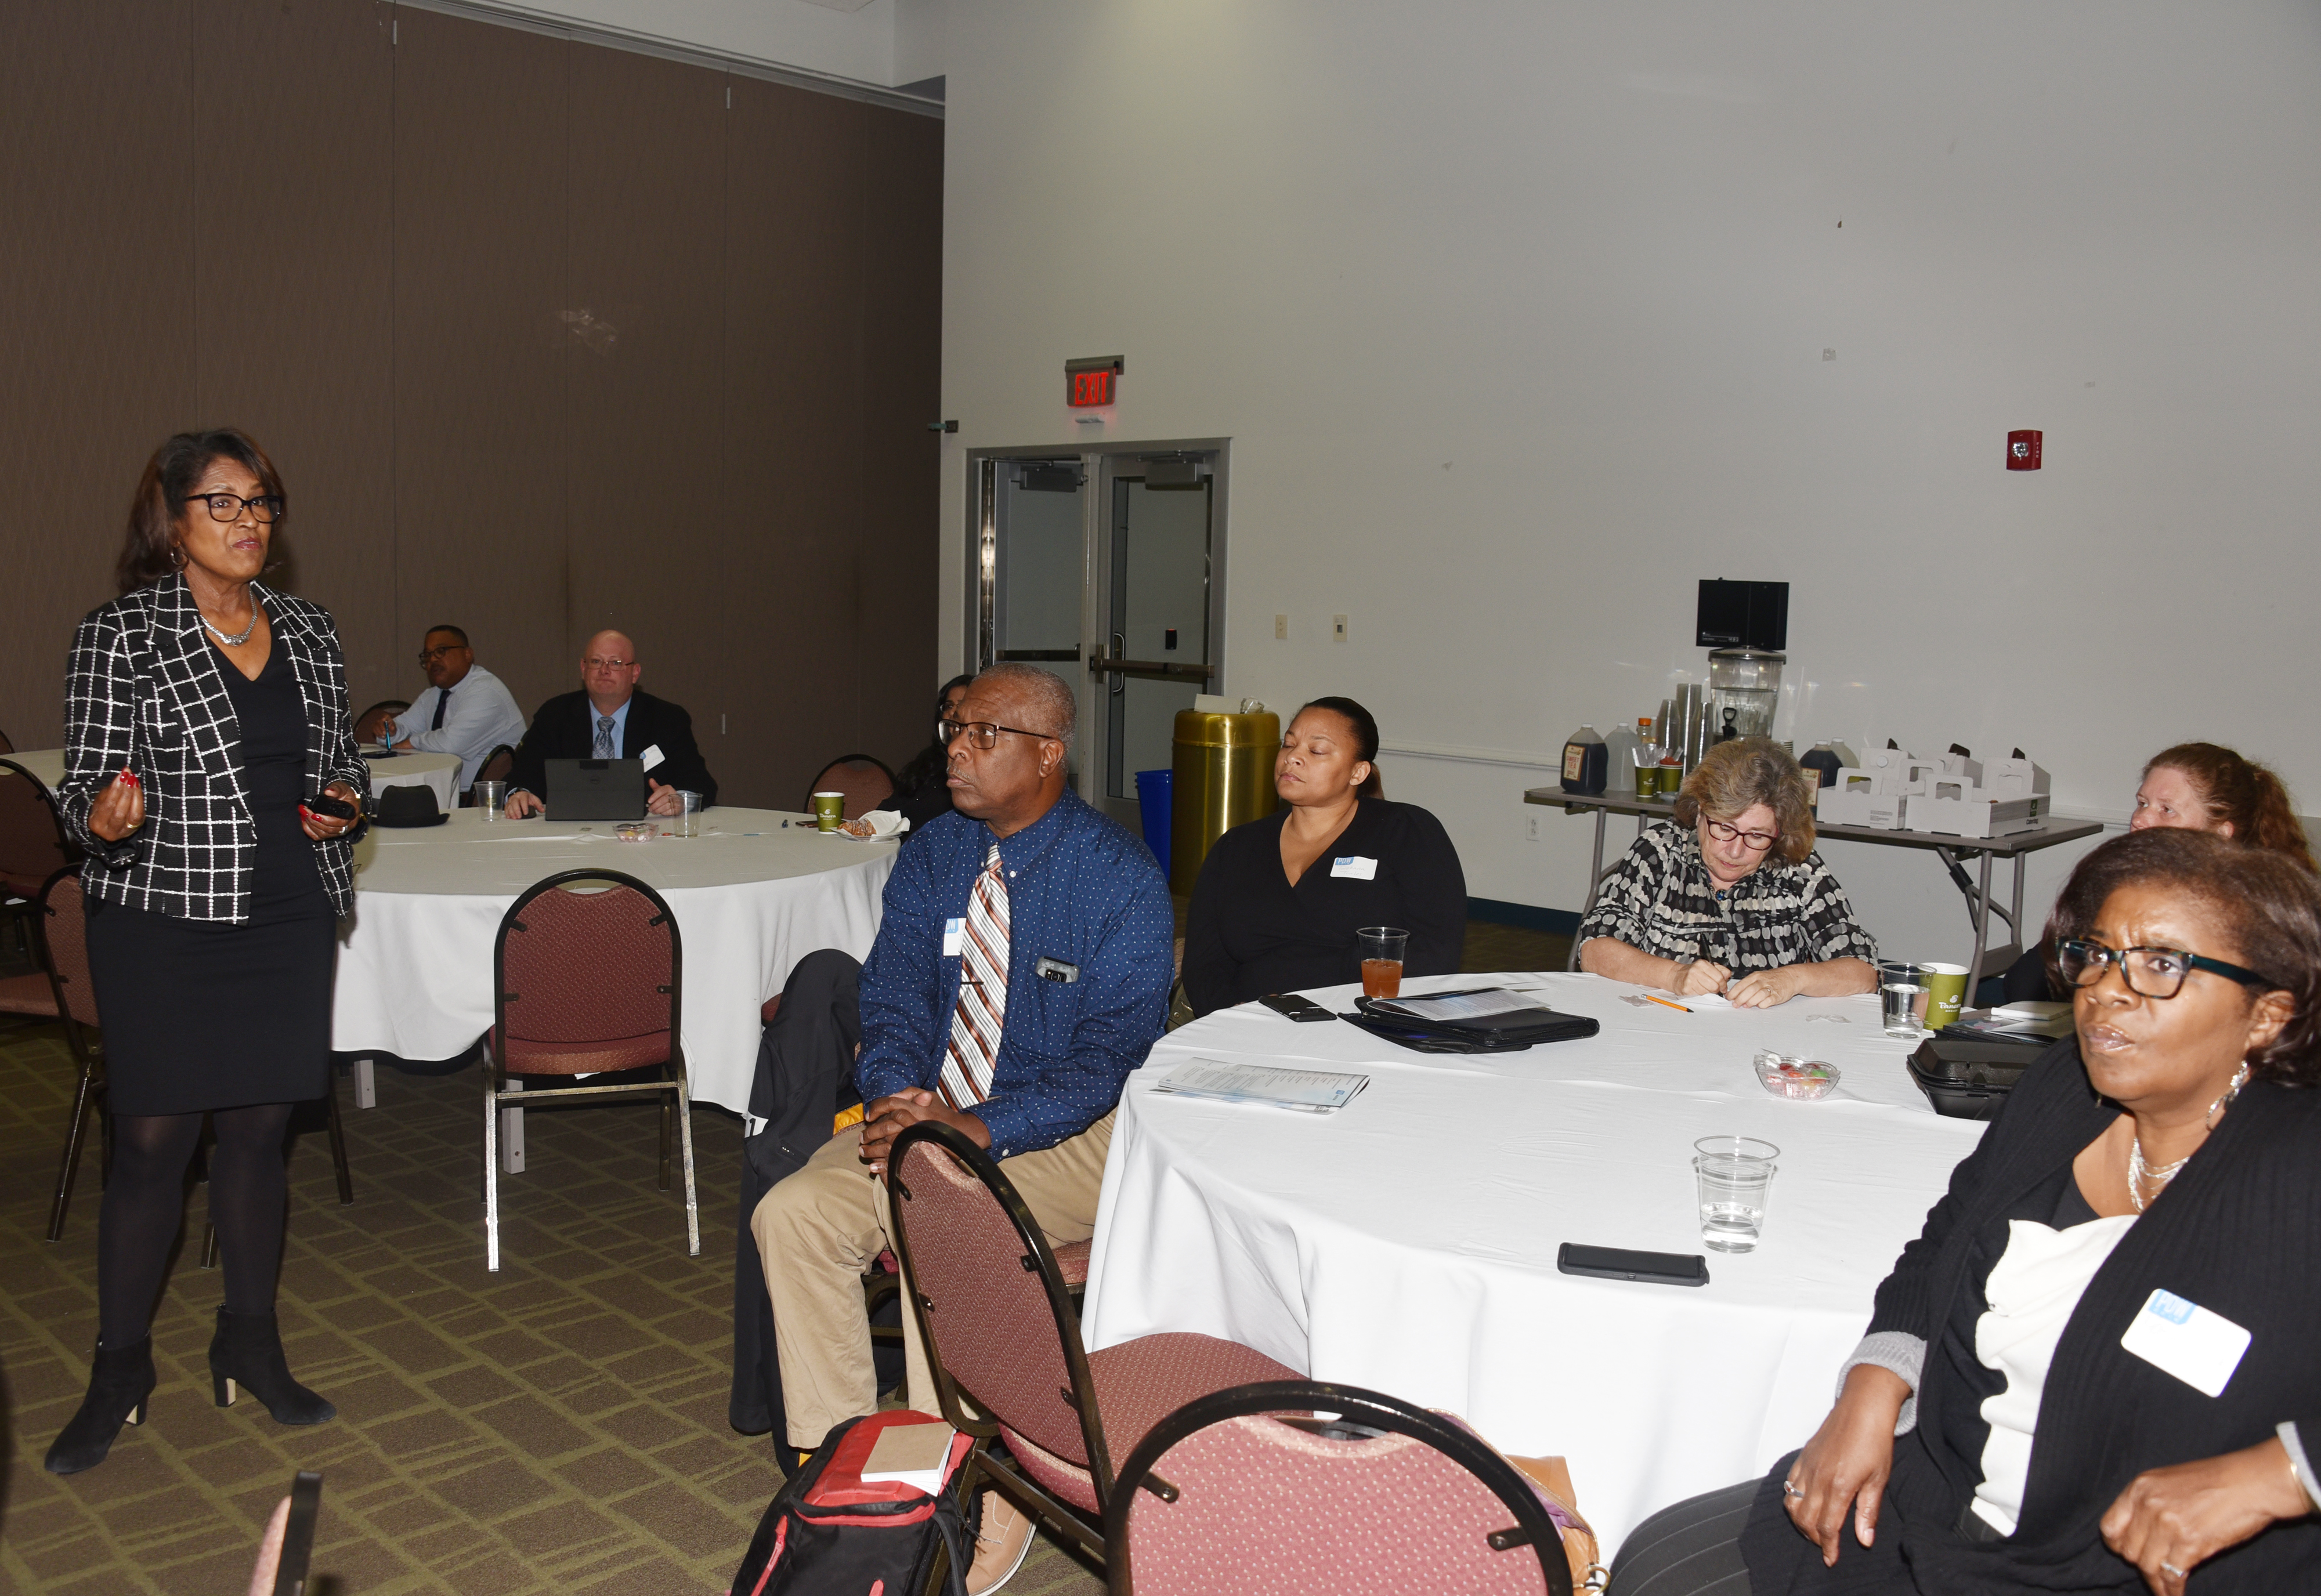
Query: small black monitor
1744	615
596	789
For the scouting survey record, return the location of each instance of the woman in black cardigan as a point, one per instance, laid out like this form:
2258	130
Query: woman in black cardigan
1279	899
2157	1175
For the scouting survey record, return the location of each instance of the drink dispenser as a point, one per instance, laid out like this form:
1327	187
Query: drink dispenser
1744	688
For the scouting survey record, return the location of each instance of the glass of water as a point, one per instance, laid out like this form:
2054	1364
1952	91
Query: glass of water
686	822
1902	998
1733	1173
489	797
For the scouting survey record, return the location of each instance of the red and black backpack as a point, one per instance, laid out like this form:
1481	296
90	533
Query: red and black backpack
826	1533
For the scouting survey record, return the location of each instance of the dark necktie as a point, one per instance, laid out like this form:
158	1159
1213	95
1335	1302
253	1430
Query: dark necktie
604	749
442	699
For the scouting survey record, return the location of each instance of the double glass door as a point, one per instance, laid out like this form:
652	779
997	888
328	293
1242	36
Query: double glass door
1105	567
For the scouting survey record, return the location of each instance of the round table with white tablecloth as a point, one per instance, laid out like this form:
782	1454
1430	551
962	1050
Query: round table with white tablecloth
753	894
1407	1242
438	771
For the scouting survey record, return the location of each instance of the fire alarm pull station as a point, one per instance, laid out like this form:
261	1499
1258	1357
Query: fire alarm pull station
1088	383
2023	452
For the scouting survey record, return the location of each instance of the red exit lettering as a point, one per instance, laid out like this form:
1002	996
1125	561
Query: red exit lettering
1092	387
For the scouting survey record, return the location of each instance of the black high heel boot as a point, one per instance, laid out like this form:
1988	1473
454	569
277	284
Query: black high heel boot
119	1380
246	1350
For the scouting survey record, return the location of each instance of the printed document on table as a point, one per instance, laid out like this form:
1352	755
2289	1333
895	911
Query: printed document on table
1460	1005
1308	1091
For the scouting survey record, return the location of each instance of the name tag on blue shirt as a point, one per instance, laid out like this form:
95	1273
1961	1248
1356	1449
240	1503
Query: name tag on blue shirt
2183	1339
1355	865
953	930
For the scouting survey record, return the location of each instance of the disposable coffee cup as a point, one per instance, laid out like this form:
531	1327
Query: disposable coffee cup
1945	988
829	809
686	820
491	797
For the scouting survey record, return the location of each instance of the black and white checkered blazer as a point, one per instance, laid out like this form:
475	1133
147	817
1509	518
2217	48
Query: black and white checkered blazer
144	690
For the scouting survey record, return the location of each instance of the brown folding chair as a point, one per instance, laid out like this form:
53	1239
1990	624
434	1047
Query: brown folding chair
587	983
373	720
34	846
1001	1333
1231	1496
864	778
64	954
495	768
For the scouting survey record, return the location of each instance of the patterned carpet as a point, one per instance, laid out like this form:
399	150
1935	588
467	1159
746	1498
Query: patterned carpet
558	1427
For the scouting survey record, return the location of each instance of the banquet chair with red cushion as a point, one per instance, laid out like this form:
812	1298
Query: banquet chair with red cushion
495	768
5	746
864	778
1225	1497
373	720
1001	1333
587	983
34	846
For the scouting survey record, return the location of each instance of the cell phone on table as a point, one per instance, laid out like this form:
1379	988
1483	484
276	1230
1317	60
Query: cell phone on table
1611	1263
1302	1010
298	1534
337	809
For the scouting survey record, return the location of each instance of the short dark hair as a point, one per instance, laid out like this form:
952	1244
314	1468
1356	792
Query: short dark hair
150	552
2270	905
1366	737
456	631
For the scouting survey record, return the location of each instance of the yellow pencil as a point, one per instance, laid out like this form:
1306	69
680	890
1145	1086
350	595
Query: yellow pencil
1663	1003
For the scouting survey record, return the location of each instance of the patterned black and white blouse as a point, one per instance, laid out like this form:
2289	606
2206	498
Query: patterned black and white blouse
1662	901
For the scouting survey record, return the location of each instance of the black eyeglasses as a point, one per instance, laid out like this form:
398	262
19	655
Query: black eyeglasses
2148	972
229	506
1756	842
430	655
982	734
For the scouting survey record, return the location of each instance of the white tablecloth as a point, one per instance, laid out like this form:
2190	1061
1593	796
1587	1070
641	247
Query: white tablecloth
439	771
751	898
1407	1243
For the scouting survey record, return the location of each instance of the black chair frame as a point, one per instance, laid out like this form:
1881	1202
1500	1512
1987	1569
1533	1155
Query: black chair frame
26	912
1038	1258
483	772
1360	1413
829	764
89	1094
394	705
676	1107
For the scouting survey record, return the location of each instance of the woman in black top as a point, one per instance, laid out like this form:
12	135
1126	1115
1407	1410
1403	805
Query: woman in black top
1279	899
2157	1173
923	788
203	711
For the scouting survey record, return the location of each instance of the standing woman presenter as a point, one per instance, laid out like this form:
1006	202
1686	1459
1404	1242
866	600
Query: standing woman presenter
203	713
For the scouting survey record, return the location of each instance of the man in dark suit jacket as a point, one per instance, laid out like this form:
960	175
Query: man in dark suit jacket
608	718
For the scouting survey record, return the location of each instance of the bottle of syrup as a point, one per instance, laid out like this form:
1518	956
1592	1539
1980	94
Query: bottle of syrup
1586	762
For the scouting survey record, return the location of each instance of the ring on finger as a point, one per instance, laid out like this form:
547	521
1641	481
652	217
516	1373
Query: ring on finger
2170	1568
1789	1488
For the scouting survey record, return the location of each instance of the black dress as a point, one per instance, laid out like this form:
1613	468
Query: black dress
203	1015
1249	932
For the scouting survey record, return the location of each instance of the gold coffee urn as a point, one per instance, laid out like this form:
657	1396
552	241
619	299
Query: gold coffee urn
1222	776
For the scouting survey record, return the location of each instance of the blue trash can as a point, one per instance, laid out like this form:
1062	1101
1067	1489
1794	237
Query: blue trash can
1153	790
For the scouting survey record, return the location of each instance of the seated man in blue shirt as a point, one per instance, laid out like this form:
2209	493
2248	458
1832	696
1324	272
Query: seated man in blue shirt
1021	875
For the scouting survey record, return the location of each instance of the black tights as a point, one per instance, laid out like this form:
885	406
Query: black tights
145	1199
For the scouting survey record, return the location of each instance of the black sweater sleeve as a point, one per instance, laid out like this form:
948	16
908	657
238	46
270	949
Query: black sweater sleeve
1209	968
1437	897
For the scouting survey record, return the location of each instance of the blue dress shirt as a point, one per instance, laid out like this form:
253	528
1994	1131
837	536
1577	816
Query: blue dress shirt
1080	890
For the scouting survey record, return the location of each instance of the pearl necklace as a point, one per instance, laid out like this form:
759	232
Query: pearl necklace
2141	1174
219	632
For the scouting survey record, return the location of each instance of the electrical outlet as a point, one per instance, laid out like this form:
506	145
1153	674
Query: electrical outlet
1531	827
1337	628
1281	629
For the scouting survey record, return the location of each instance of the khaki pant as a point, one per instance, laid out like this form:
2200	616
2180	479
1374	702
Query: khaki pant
819	1230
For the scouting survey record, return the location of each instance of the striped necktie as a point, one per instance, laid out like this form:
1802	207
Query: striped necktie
982	1008
604	749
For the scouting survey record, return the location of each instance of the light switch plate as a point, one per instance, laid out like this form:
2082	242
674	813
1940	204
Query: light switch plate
1338	628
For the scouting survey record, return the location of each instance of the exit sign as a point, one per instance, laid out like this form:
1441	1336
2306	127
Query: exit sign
1088	383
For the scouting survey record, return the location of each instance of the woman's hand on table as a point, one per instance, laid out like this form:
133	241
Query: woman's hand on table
1844	1467
2170	1521
1698	976
322	828
119	808
1763	989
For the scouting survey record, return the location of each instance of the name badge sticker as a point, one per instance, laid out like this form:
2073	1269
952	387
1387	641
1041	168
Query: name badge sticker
1355	865
2182	1338
953	930
653	756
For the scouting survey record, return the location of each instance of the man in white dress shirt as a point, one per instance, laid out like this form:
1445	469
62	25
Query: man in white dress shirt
466	710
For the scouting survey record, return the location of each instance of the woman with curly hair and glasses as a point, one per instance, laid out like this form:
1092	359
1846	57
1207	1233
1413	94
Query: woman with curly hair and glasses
2094	1369
1732	898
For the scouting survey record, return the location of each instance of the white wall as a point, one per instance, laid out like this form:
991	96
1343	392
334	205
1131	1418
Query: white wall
1516	313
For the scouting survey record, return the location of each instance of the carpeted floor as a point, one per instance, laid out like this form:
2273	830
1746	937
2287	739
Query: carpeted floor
560	1426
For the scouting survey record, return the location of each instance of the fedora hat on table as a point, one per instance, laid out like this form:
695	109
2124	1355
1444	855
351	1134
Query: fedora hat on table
410	804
